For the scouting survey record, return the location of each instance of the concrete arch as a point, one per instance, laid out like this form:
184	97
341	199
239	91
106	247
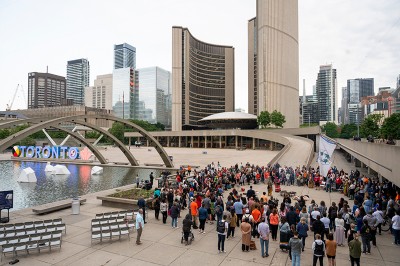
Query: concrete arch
78	120
95	151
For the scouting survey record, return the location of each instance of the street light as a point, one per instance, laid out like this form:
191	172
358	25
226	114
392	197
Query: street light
358	125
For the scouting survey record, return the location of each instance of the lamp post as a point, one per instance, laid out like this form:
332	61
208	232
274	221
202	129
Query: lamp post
358	125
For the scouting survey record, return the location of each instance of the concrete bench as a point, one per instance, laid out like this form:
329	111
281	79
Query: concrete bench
54	206
154	164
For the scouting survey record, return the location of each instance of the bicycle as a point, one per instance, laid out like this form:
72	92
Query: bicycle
386	224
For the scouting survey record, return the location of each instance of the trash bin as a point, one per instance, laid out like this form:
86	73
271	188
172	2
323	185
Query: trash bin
76	206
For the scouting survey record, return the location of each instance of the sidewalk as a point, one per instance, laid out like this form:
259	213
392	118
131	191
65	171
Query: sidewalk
161	244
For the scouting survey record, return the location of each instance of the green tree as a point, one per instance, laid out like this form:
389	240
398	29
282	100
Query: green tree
264	119
348	131
118	131
277	119
28	141
331	130
4	133
92	134
391	127
370	125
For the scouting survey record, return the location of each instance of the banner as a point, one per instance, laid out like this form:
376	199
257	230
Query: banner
326	148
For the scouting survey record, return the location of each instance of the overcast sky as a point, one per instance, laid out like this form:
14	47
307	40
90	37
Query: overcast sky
361	38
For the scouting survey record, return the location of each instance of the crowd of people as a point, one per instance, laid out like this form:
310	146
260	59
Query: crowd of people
261	216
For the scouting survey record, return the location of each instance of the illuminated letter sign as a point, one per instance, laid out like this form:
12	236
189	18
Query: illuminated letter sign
46	152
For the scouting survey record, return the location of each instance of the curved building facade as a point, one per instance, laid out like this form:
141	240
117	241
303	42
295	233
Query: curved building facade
202	79
274	60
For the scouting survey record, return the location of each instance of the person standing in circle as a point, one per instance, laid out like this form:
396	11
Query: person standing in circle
331	250
139	226
274	223
245	227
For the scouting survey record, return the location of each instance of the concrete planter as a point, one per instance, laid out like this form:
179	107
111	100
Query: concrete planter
121	203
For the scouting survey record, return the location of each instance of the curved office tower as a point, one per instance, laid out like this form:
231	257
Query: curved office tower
274	49
202	79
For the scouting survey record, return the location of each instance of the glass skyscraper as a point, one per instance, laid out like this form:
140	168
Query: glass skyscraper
125	82
356	90
124	56
327	94
78	77
155	95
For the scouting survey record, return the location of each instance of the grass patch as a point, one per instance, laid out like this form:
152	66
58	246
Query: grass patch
134	194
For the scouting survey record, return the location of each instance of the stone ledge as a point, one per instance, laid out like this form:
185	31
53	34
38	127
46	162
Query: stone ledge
120	202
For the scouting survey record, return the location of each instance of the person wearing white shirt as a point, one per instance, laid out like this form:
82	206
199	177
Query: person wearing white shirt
396	227
139	226
326	222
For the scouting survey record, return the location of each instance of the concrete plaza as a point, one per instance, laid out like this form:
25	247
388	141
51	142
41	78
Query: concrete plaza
161	244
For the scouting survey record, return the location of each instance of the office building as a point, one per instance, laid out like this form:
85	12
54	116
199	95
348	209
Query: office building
344	110
124	56
46	90
327	94
355	91
123	87
203	81
125	98
155	95
100	95
273	60
78	77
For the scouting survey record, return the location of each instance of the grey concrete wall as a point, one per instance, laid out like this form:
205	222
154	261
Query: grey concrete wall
382	158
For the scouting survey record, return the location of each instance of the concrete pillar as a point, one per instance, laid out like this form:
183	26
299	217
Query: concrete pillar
205	141
380	177
254	143
271	147
191	142
198	141
179	141
147	143
368	170
236	142
167	141
129	142
220	142
211	140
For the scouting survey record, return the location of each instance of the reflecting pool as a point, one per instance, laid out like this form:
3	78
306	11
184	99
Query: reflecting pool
50	188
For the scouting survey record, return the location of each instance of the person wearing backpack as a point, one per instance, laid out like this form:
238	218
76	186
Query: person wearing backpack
218	211
222	228
318	248
366	237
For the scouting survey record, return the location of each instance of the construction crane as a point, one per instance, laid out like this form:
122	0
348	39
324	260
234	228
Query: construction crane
9	106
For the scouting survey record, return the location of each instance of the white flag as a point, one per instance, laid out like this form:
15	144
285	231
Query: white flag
326	148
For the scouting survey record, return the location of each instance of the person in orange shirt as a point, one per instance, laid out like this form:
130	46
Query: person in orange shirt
194	212
256	220
274	223
264	197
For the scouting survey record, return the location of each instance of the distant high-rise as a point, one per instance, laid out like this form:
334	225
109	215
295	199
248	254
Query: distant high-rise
46	90
124	87
327	94
273	60
203	79
125	98
100	95
356	90
78	77
344	109
124	56
155	95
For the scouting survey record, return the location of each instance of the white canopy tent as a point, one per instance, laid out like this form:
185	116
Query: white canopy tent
61	170
27	175
97	170
49	167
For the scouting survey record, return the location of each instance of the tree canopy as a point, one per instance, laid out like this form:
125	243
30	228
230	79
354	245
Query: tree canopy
391	127
370	125
264	119
331	130
277	119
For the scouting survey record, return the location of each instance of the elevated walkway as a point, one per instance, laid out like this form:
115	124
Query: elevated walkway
382	158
